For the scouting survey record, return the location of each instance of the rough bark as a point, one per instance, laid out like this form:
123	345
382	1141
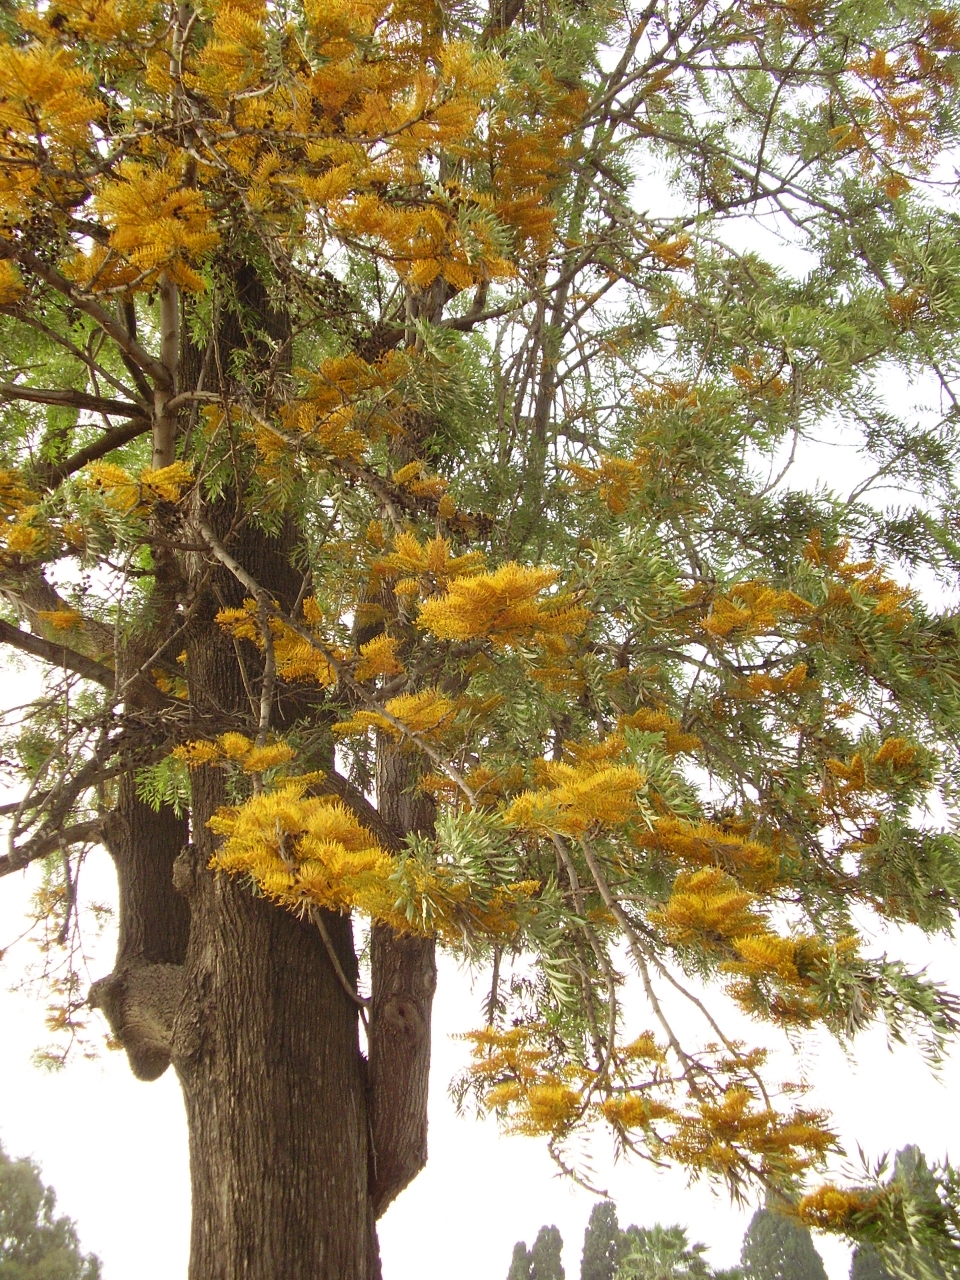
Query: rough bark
266	1040
266	1048
297	1143
403	981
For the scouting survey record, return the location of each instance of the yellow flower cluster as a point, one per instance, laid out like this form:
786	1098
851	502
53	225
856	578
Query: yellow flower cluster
675	739
704	844
715	1136
378	657
295	656
123	492
832	1208
752	609
240	750
539	1089
11	285
307	849
426	714
501	606
508	1065
159	225
47	110
423	568
304	850
707	907
616	480
593	790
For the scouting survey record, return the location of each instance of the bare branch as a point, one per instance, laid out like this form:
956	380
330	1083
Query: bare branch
33	850
60	655
110	440
71	400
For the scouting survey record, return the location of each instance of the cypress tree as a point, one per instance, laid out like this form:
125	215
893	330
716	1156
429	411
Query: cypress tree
520	1262
776	1248
545	1263
601	1243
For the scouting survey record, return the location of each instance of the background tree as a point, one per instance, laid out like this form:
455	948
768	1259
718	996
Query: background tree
662	1253
34	1244
402	509
546	1255
520	1262
602	1243
776	1247
866	1264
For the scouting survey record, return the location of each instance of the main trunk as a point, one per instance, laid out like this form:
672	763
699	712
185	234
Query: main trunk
266	1037
265	1043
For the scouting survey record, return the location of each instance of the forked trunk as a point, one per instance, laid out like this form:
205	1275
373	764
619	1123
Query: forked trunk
296	1144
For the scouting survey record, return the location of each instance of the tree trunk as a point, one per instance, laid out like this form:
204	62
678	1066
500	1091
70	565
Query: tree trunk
296	1145
404	978
266	1047
266	1038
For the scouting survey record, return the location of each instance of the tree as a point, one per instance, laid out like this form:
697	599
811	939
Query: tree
35	1245
663	1253
778	1248
401	510
520	1262
545	1256
602	1241
890	1214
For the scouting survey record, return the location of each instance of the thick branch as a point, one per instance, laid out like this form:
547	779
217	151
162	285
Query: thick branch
165	421
335	784
33	850
403	974
110	440
71	399
58	654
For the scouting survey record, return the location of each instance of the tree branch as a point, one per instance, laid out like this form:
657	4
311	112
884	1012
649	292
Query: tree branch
79	833
108	323
58	654
110	440
71	400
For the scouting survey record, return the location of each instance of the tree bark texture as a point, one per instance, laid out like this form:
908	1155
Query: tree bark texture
266	1047
403	980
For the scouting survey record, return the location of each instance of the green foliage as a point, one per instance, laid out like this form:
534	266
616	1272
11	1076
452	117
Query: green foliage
545	1255
520	1262
601	1243
34	1243
910	1215
165	783
866	1264
662	1253
777	1248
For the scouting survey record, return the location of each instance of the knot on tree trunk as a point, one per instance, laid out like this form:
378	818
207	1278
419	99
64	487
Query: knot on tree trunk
139	1003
